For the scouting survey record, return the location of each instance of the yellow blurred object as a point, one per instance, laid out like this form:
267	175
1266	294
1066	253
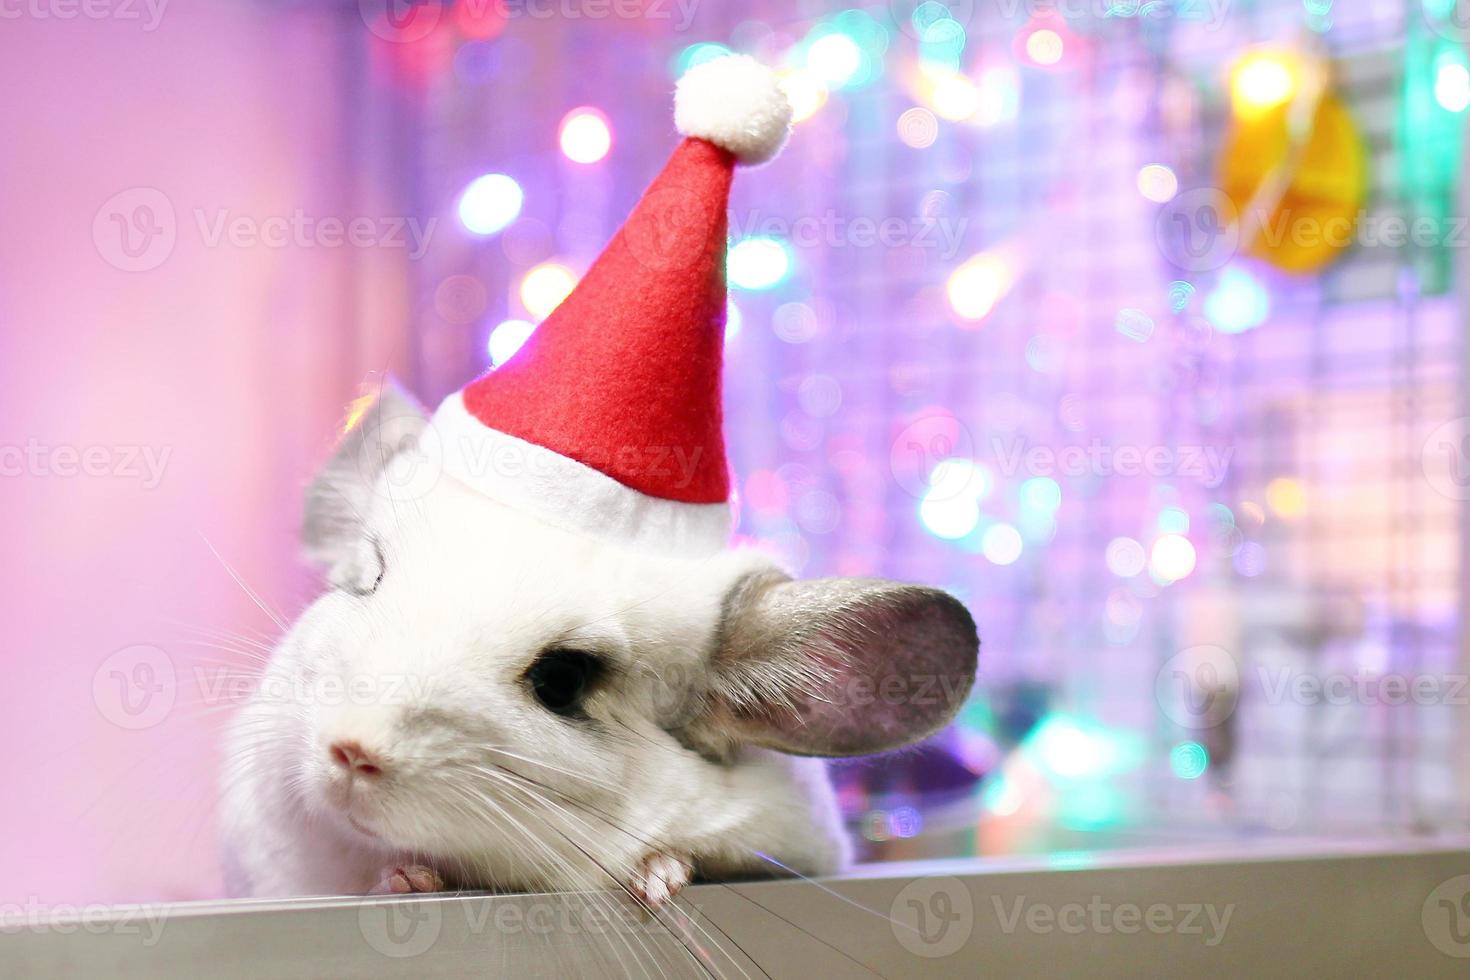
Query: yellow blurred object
1287	497
1294	163
1264	80
981	282
358	407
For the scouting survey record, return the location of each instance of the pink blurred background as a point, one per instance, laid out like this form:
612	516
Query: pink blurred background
233	362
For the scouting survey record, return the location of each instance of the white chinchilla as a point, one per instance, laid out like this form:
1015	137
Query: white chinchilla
541	665
486	701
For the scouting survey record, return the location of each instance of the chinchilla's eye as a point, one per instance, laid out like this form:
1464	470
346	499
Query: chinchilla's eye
561	679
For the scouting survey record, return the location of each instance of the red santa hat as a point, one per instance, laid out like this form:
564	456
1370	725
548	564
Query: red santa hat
608	421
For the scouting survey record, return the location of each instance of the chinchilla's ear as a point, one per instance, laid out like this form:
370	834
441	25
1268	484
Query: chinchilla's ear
838	666
381	430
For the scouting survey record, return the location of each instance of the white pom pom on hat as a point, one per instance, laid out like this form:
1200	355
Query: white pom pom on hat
626	371
736	103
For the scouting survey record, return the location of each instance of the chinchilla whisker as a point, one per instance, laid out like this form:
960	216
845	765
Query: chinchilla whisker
249	592
609	820
666	918
606	901
250	670
814	882
257	641
602	784
250	656
555	865
621	885
559	863
211	628
236	641
647	843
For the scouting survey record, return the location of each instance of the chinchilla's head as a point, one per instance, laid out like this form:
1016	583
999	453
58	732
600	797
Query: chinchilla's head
472	668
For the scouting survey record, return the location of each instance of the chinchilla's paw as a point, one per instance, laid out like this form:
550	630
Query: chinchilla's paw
408	879
658	878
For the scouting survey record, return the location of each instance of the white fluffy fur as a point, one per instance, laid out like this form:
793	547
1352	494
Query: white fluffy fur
470	591
561	491
734	102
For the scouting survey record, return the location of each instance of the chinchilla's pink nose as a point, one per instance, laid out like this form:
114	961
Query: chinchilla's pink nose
349	755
